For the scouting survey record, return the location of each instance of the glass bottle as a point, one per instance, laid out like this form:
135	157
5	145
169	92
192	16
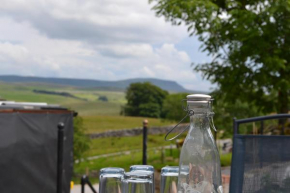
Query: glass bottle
199	166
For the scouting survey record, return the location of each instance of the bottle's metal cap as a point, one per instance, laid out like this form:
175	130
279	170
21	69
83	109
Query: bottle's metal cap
198	101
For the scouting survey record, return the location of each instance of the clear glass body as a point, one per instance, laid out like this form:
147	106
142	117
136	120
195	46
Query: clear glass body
147	168
111	180
138	182
169	179
199	167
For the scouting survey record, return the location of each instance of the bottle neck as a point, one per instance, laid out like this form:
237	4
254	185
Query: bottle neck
199	121
200	128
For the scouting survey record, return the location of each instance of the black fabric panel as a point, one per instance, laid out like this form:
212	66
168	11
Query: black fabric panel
260	164
28	152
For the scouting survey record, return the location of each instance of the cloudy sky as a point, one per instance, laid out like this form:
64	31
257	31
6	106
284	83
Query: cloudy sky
95	39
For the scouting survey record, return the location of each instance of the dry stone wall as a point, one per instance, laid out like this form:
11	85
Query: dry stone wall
137	131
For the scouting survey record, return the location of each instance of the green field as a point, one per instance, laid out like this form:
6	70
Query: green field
118	144
98	116
24	93
105	123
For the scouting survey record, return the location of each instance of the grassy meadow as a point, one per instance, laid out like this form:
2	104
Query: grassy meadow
24	93
118	144
98	116
104	123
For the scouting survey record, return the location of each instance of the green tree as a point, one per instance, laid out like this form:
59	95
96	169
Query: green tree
172	106
103	98
249	43
149	110
144	99
225	112
81	140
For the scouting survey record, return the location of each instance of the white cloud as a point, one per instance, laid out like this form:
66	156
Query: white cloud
169	50
106	40
126	50
148	72
95	20
15	53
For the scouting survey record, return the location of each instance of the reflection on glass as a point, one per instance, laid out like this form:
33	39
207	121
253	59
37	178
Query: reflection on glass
111	180
169	179
148	168
138	182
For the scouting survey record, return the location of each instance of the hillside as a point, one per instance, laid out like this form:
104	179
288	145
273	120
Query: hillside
121	85
86	102
97	115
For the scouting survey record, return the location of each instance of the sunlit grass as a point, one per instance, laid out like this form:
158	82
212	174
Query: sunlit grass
118	144
21	92
104	123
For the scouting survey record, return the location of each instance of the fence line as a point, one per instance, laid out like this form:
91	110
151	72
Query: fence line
136	131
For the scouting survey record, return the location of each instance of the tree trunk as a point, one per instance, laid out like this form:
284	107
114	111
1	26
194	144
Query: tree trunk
282	106
283	102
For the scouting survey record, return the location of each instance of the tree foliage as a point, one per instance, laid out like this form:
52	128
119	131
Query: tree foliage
81	141
172	106
103	98
144	99
248	41
225	112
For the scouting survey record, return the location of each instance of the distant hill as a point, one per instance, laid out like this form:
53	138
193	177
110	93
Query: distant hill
168	85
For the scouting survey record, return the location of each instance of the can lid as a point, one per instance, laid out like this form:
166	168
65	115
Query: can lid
198	97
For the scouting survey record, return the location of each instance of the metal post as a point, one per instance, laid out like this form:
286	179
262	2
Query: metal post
60	137
91	186
85	180
83	183
145	124
235	125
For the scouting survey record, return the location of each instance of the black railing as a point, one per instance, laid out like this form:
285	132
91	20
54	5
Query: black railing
252	151
256	119
60	138
85	180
